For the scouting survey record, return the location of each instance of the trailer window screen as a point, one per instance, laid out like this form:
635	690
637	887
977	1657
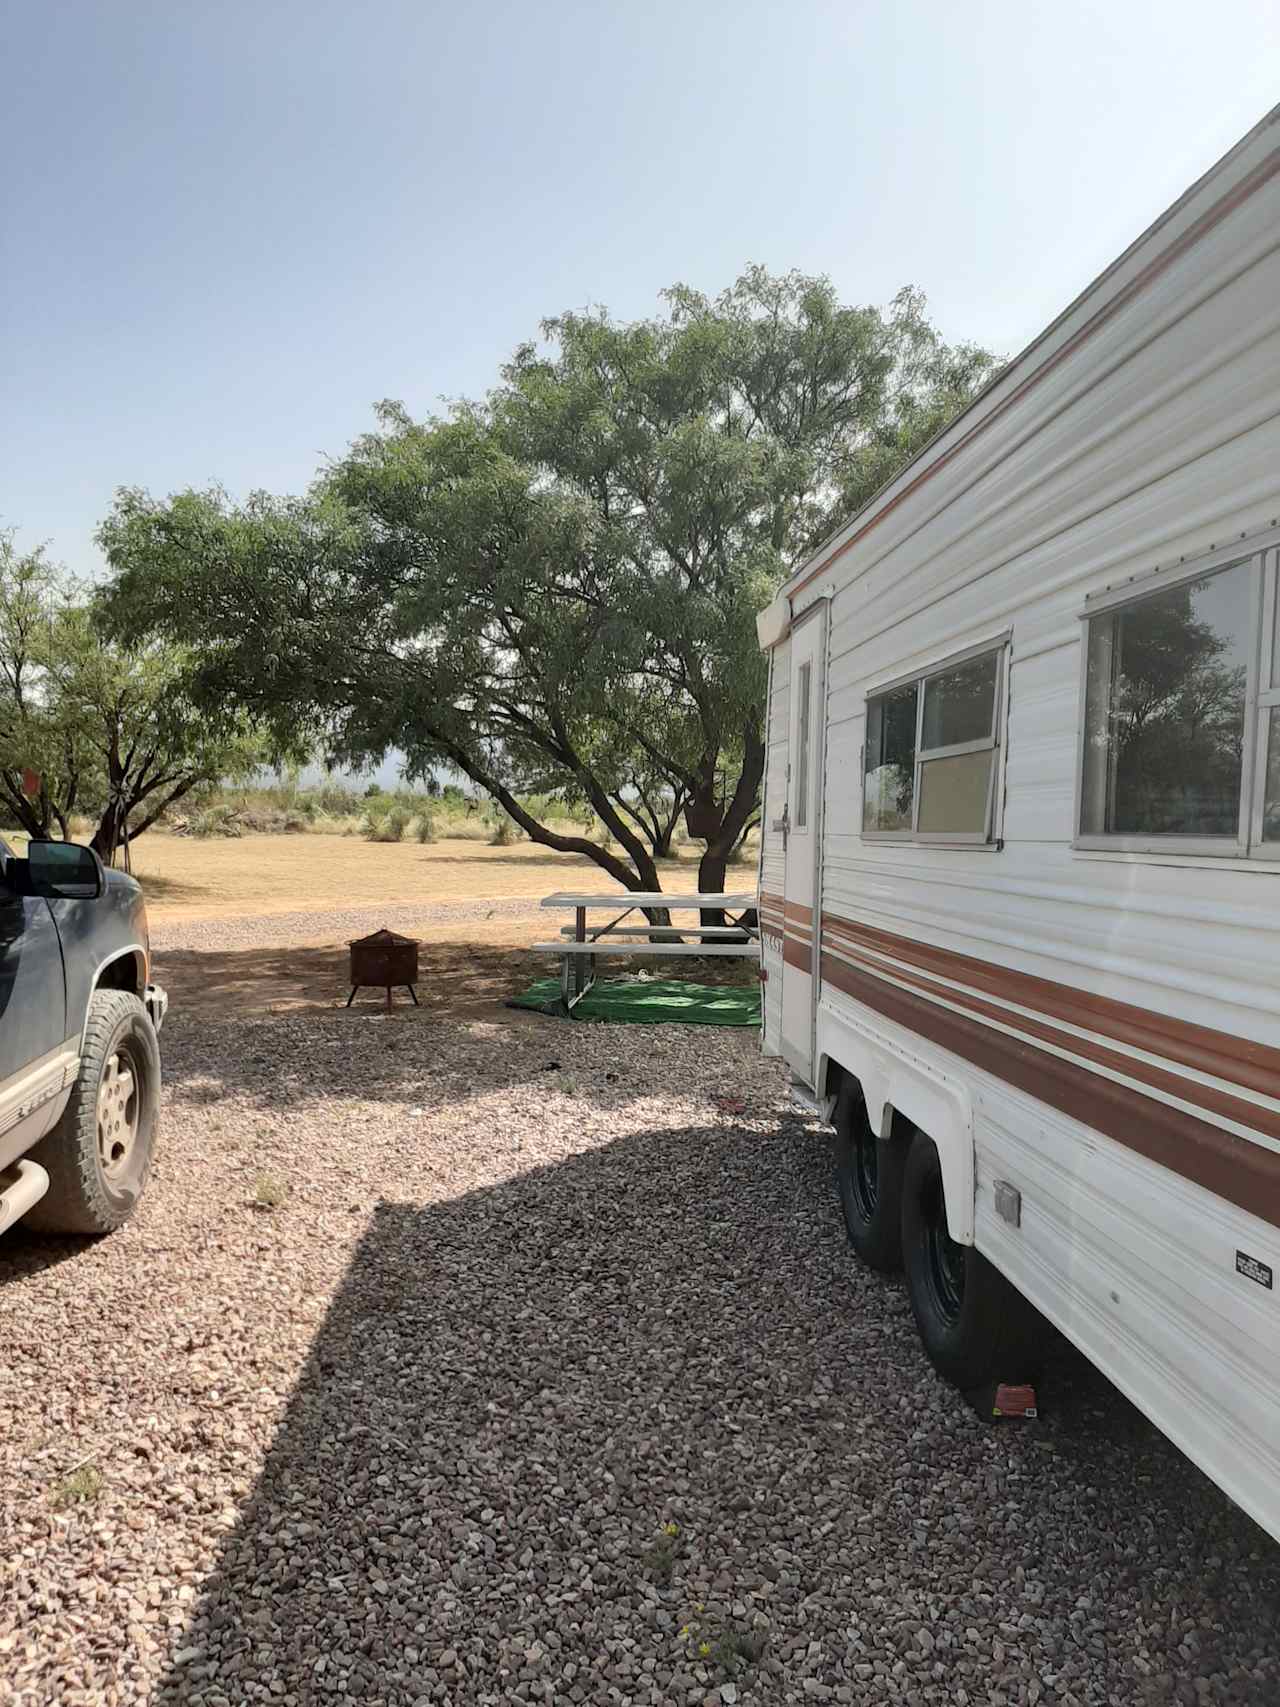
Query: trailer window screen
929	765
1165	693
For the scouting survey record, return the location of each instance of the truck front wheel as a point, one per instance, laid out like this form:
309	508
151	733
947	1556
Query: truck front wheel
99	1154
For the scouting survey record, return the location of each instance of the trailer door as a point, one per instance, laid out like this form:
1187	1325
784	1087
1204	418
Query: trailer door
803	832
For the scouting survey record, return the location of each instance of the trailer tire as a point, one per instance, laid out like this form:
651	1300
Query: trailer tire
869	1172
976	1327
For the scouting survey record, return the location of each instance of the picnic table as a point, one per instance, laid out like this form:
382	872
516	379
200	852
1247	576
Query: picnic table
581	942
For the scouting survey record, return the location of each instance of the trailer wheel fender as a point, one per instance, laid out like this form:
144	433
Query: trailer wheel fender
895	1079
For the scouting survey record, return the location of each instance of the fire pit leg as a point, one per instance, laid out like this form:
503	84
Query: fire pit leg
351	998
414	994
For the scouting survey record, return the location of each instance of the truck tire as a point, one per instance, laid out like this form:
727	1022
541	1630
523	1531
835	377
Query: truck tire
99	1154
977	1328
869	1173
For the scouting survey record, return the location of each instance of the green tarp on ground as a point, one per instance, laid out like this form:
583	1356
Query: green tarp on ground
650	1001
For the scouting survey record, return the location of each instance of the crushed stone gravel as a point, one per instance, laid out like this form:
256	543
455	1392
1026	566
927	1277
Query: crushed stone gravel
550	1378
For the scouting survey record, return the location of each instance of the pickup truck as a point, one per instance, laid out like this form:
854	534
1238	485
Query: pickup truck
79	1050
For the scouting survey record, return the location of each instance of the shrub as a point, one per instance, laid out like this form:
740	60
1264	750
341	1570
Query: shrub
504	831
81	1487
424	827
269	1192
216	821
385	826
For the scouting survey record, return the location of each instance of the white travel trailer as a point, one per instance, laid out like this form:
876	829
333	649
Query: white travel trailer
1020	876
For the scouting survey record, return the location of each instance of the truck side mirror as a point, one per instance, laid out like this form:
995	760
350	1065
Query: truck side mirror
65	871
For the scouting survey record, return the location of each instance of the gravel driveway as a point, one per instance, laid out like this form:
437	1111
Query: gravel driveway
551	1379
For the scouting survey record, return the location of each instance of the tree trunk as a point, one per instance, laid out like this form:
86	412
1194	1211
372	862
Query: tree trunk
712	868
109	833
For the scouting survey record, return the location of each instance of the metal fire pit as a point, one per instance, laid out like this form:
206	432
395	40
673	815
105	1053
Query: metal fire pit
384	960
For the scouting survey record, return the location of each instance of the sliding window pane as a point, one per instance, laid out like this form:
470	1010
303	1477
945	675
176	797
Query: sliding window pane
960	704
954	794
1164	711
889	772
1271	796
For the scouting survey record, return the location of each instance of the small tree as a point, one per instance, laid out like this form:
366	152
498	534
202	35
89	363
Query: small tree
110	728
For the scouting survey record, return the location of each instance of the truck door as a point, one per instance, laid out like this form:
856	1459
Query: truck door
32	1003
801	900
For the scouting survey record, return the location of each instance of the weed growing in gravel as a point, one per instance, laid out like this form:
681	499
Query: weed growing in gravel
719	1642
81	1487
660	1558
269	1193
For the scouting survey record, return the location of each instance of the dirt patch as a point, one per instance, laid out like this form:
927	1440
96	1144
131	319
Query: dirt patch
472	975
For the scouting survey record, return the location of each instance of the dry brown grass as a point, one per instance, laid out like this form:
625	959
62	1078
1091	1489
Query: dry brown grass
190	879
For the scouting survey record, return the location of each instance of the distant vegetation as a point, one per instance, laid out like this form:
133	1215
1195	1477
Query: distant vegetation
372	813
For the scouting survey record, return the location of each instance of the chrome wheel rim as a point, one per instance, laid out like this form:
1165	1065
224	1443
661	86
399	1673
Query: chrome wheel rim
117	1114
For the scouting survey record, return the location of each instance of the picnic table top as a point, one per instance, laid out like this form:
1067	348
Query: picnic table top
650	898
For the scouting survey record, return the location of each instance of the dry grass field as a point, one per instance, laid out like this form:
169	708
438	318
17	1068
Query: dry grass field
186	878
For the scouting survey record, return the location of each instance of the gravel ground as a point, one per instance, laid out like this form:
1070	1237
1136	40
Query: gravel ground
280	929
551	1379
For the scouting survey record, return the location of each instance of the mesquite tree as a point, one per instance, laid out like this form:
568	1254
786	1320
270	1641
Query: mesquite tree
556	590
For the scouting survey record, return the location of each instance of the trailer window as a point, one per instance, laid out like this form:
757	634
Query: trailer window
1166	680
889	778
929	764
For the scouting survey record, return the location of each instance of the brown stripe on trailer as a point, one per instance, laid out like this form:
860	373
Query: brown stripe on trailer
1238	1060
1231	1167
1207	1097
799	955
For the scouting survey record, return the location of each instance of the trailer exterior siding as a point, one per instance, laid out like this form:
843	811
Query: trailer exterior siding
1101	1028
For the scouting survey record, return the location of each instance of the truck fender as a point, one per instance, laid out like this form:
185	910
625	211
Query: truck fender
135	954
895	1078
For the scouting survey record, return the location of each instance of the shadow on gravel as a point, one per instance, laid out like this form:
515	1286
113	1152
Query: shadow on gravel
286	1063
24	1253
514	1391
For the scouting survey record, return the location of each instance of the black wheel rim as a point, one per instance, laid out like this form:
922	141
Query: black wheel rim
944	1259
866	1171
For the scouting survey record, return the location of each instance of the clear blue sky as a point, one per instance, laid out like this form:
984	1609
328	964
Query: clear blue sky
229	228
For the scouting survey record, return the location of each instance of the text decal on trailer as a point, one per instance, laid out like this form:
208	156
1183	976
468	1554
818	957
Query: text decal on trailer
1252	1269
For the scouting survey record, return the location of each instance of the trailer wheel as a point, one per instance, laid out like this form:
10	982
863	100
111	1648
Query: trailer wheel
976	1327
869	1173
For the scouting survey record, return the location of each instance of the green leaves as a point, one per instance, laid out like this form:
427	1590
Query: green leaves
555	589
110	725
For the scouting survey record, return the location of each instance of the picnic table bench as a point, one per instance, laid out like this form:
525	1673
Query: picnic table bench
581	943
